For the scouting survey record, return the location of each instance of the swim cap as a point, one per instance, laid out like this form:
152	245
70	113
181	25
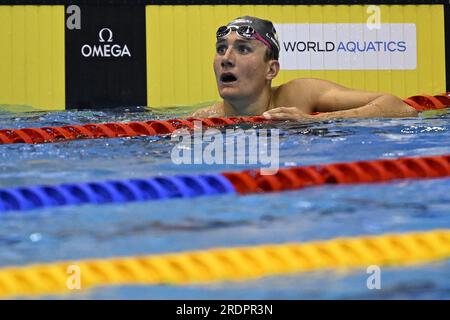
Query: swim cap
265	28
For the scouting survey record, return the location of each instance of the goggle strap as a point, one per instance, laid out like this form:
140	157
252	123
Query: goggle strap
261	38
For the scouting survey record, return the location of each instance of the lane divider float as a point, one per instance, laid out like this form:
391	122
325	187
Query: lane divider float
227	264
115	129
162	127
427	102
242	182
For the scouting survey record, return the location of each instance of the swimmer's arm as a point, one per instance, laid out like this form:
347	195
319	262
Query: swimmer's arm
336	101
385	106
374	109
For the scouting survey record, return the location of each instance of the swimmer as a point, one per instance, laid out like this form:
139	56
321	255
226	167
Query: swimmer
246	62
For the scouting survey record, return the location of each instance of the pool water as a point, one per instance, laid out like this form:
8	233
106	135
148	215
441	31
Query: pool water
326	212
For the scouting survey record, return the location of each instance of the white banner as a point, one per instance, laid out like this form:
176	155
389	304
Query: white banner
347	46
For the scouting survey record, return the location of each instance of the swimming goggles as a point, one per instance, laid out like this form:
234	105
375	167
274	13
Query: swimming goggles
245	32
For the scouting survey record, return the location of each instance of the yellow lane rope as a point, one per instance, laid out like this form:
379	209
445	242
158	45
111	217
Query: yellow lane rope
227	263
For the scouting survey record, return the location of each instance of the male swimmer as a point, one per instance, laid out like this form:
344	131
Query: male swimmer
245	64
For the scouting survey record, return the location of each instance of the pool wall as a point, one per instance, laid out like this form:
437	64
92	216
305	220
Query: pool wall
95	54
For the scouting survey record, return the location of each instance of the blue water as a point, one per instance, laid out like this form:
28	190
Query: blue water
327	212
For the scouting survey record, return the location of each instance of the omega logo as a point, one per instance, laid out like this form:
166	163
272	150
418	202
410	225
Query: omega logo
105	49
100	35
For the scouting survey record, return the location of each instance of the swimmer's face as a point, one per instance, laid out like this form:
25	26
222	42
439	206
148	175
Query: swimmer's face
240	68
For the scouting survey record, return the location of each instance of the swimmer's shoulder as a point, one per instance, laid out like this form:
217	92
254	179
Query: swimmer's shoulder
296	86
216	110
295	93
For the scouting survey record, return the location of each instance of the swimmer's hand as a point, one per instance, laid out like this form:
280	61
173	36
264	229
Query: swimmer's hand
285	113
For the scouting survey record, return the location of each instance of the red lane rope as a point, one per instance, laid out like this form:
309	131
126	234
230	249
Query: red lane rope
242	182
161	127
252	181
114	129
426	102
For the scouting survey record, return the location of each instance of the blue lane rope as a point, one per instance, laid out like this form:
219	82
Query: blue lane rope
244	182
117	191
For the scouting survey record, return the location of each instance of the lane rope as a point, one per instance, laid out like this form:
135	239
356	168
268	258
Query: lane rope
162	127
227	264
242	182
115	129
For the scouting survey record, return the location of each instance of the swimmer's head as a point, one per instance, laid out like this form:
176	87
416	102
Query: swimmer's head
248	27
246	60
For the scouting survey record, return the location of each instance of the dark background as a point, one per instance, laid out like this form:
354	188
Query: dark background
113	81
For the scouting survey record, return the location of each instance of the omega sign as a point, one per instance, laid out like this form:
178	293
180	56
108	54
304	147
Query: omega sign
106	47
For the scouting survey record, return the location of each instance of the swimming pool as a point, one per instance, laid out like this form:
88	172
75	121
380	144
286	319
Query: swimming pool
178	225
